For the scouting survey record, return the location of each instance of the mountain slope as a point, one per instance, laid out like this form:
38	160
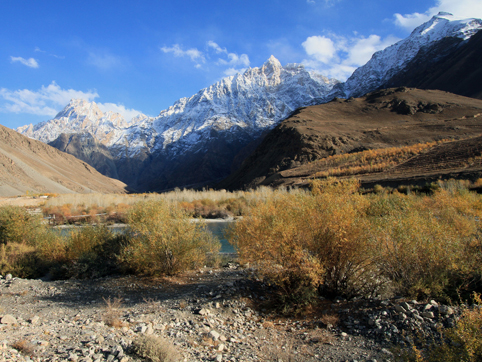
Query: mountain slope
198	140
387	63
382	119
194	141
30	165
451	64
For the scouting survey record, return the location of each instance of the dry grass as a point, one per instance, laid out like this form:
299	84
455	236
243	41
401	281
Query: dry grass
281	349
330	319
25	347
113	207
155	349
113	312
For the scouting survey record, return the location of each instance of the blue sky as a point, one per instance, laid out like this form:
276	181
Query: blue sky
142	56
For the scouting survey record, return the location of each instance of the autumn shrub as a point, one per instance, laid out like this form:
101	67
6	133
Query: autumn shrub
163	240
21	233
18	225
341	240
422	243
306	243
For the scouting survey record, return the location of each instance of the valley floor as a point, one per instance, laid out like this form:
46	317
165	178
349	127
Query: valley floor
208	315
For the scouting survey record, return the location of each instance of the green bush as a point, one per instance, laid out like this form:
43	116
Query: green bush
164	240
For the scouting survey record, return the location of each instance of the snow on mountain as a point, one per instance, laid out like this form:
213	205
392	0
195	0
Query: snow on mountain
198	139
386	63
255	100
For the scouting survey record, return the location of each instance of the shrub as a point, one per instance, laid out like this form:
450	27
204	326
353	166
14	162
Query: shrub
155	349
304	242
89	251
423	243
18	225
163	240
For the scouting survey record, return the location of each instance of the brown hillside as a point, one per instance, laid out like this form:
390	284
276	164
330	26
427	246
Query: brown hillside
30	165
382	119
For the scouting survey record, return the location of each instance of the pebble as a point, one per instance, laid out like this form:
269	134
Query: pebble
65	320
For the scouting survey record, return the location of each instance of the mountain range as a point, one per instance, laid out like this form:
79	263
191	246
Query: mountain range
28	165
202	139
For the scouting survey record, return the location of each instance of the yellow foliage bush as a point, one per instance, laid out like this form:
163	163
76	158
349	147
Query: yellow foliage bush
304	242
163	240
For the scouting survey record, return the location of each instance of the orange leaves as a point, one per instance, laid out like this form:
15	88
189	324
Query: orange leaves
367	161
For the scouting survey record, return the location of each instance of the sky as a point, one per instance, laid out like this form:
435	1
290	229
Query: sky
141	56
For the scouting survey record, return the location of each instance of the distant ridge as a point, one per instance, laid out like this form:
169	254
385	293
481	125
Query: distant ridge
27	165
193	142
381	119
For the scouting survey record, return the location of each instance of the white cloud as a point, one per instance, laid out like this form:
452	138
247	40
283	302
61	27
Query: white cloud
46	101
194	54
127	113
338	57
216	47
320	48
38	50
30	62
232	60
461	9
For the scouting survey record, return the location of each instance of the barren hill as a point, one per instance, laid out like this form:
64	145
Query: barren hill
379	120
30	165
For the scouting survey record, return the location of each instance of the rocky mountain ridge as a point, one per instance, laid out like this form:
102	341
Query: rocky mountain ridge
386	63
28	165
380	120
199	139
169	150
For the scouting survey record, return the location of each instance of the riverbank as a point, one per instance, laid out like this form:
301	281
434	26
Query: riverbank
207	315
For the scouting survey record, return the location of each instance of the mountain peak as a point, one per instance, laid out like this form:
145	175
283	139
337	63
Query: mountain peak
444	14
272	63
385	63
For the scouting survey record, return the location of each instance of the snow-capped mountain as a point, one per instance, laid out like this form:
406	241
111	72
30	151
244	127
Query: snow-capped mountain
198	139
386	63
236	109
255	100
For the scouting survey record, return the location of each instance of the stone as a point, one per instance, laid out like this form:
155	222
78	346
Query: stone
8	277
445	310
8	319
34	320
215	335
202	311
428	315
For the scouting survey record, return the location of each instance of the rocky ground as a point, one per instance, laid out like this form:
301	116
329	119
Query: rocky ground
208	315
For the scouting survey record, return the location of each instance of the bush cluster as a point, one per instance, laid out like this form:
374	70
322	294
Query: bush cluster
337	242
164	240
161	239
